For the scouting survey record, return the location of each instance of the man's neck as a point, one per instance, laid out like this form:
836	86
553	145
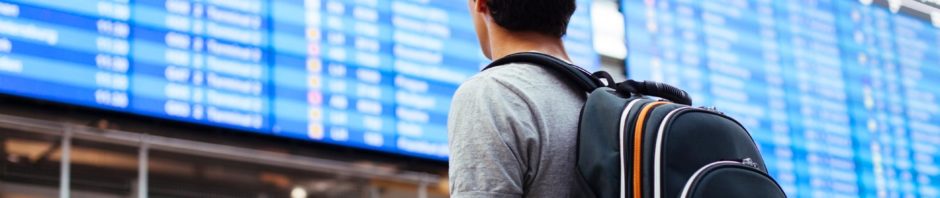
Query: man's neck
504	43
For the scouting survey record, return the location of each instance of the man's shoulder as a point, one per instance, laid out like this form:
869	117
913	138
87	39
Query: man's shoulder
514	77
520	114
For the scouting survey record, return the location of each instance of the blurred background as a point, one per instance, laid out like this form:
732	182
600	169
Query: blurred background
348	98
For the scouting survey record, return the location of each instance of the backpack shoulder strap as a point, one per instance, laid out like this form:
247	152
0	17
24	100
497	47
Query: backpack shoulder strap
572	73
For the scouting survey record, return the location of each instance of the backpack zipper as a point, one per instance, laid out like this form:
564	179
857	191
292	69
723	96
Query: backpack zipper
638	134
696	176
623	122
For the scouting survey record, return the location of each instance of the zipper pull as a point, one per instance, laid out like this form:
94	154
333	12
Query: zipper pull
712	109
749	162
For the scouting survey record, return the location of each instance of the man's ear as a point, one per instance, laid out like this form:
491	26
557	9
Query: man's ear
480	6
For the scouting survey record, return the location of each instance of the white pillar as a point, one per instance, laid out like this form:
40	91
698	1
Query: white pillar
374	191
142	161
423	190
65	163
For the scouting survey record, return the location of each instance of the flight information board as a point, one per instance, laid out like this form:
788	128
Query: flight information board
842	97
375	74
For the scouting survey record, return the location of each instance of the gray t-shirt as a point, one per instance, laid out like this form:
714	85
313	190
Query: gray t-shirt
513	133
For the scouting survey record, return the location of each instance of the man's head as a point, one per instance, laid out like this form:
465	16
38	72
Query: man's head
544	17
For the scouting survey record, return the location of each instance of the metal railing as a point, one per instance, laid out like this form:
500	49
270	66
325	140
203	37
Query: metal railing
145	142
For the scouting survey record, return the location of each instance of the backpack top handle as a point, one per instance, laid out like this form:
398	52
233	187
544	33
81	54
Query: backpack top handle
657	89
588	82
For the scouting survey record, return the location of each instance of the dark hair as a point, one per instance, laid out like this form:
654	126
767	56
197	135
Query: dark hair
544	16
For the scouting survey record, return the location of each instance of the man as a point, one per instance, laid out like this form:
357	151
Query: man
513	128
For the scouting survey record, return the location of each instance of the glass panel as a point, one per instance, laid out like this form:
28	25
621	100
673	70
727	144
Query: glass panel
182	175
30	164
103	170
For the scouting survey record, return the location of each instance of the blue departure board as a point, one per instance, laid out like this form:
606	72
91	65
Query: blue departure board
374	74
842	97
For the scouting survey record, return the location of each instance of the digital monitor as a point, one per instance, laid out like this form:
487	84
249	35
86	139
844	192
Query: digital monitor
373	74
840	95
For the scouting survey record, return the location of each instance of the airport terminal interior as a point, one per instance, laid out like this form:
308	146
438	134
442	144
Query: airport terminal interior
349	98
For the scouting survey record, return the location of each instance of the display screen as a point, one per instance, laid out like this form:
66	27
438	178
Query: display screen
375	74
842	97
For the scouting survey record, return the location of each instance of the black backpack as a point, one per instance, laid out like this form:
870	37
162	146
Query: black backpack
631	145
